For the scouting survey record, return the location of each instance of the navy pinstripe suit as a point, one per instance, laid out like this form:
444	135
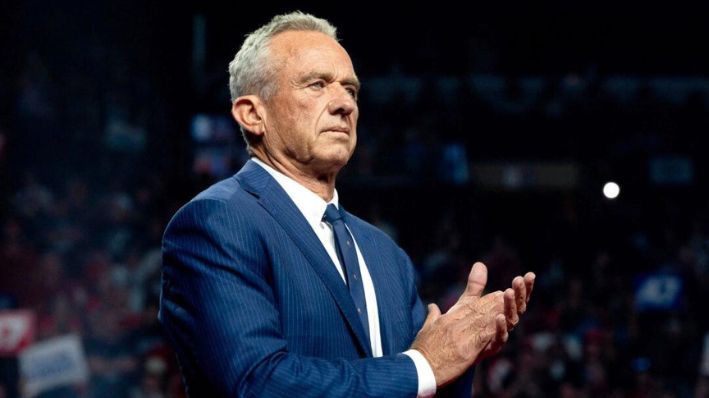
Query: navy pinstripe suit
255	307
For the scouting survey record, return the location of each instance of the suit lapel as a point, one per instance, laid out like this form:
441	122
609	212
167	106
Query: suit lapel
275	200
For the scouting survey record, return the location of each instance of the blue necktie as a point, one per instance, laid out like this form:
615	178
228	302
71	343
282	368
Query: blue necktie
347	254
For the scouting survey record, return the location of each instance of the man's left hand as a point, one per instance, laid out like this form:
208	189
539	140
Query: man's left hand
516	299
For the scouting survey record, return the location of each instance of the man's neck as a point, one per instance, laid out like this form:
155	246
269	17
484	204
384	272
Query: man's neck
322	185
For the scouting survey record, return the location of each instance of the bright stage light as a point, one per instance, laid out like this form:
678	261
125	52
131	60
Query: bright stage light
611	190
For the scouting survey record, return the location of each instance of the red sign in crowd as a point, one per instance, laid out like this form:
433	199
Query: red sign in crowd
17	331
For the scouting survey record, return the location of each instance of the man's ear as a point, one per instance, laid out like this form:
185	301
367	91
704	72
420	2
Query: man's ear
248	111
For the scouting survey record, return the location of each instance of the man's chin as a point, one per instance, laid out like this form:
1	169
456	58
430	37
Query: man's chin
333	162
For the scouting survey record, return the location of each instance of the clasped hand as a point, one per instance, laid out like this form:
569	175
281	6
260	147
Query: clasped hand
475	327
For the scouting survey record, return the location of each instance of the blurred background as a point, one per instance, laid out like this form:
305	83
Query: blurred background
496	128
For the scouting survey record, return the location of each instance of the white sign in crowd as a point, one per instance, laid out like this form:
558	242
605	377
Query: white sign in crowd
53	363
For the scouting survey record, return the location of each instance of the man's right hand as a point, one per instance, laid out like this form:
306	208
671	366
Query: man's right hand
473	328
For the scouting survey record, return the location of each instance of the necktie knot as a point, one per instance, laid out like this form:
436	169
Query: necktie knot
332	214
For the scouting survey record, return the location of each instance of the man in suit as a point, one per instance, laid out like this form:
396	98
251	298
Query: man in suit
270	288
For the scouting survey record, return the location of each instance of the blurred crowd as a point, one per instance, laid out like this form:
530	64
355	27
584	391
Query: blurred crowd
89	181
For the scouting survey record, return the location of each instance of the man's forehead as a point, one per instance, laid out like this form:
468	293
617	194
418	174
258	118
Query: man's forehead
301	36
294	42
308	50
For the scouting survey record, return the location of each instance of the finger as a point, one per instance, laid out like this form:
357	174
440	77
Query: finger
529	278
433	313
520	294
502	335
500	338
511	314
477	279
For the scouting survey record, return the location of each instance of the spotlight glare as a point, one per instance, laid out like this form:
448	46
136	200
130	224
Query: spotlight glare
611	190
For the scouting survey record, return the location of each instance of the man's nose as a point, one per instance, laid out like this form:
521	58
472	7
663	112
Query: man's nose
342	102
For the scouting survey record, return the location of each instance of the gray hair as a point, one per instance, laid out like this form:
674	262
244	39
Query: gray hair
251	72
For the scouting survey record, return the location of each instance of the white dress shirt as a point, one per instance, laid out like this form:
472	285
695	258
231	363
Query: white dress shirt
313	208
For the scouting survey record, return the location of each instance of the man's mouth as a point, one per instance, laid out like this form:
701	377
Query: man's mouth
344	130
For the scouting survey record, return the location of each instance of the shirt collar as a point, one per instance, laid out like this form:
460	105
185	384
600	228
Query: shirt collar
308	202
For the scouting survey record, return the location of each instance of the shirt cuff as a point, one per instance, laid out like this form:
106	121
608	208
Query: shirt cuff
427	381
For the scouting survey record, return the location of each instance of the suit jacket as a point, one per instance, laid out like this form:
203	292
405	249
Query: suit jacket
255	307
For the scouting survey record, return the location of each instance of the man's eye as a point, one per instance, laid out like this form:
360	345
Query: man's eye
317	84
352	91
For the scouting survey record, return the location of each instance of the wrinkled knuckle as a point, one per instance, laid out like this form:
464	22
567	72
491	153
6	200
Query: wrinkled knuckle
469	305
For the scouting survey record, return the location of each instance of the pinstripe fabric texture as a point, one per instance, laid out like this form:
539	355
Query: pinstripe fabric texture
255	307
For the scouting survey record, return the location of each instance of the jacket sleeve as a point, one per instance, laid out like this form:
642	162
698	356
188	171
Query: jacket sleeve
217	307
